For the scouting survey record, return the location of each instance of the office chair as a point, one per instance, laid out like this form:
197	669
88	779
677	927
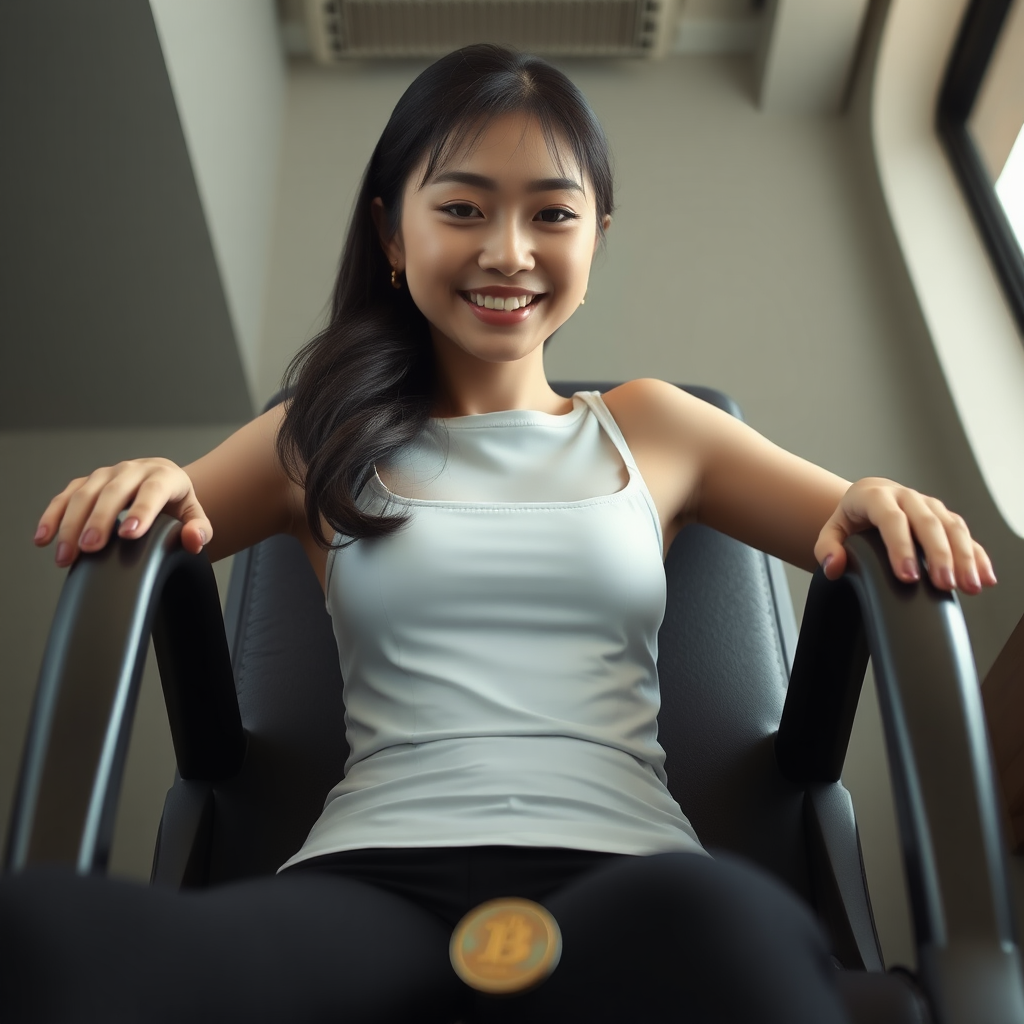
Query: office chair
755	723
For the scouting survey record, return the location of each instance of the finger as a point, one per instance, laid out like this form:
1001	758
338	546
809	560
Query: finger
984	563
157	490
169	491
985	566
196	534
931	532
962	548
79	507
196	530
123	486
52	515
829	551
897	534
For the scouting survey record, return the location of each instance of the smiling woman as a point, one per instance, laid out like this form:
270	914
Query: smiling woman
497	634
498	211
492	176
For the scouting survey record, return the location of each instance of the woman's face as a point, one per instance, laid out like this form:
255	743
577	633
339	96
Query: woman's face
500	224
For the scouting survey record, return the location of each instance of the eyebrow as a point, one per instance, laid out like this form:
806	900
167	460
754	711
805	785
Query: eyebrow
490	185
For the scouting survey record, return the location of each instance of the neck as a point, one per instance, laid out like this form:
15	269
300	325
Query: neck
467	386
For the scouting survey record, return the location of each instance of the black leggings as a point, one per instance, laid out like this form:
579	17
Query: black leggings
363	937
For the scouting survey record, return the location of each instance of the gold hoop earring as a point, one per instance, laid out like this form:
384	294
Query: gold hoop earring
395	283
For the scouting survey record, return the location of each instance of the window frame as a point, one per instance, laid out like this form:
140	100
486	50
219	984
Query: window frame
965	72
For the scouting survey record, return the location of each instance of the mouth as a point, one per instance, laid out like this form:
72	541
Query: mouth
499	310
509	303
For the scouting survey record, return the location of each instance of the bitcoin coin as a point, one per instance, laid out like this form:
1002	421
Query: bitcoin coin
505	946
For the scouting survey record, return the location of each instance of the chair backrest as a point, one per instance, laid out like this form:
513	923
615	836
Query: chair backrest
725	653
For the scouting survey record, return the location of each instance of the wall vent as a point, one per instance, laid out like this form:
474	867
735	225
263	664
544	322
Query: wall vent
429	28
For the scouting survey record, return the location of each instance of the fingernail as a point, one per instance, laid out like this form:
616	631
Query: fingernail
129	525
992	576
63	553
911	570
827	563
202	537
947	578
973	581
40	532
90	537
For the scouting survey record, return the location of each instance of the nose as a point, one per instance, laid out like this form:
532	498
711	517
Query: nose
508	248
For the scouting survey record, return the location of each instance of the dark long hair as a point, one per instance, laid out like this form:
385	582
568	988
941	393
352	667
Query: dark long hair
364	386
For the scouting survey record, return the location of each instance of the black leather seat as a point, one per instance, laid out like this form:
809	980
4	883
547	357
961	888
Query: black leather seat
755	726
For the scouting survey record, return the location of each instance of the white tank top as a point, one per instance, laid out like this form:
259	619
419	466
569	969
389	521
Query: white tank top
499	651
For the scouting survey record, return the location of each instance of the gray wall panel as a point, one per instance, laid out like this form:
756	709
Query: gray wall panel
113	311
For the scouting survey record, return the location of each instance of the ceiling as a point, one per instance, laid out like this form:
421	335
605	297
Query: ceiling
704	26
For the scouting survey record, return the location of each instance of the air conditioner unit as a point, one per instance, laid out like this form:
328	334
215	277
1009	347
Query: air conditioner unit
430	28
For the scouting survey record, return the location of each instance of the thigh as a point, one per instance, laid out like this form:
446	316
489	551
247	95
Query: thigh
312	948
681	937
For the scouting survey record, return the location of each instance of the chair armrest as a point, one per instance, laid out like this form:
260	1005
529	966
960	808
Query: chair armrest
942	778
73	762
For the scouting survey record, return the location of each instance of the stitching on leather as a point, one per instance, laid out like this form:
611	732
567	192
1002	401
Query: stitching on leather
768	592
255	557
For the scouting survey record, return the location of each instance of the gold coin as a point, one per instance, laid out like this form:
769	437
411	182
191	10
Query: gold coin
505	946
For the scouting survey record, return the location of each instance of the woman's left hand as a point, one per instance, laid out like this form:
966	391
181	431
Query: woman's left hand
901	514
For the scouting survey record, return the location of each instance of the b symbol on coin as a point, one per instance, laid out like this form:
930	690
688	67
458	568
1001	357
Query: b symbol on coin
505	946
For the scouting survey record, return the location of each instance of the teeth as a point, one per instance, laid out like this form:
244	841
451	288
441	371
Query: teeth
496	302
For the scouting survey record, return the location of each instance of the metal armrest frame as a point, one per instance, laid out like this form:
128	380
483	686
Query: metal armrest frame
941	767
73	762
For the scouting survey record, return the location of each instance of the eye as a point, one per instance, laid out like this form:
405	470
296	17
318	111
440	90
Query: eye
460	211
557	215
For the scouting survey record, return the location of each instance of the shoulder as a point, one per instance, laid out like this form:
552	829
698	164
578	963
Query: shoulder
665	430
653	408
645	390
673	428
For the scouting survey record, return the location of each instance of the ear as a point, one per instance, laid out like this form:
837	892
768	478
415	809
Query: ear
606	223
392	245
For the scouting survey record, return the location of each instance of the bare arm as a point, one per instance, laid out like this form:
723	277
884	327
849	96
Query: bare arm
738	482
244	489
233	497
758	492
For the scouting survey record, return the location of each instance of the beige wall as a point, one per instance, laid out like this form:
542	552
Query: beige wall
750	251
228	74
104	232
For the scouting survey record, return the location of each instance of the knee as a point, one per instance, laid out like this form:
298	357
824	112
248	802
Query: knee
691	899
731	896
646	935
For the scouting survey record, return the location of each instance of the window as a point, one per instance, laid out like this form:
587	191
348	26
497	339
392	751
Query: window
980	118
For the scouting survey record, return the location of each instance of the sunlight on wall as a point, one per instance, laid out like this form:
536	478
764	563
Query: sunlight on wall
1010	188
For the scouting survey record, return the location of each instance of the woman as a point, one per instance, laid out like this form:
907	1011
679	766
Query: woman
491	554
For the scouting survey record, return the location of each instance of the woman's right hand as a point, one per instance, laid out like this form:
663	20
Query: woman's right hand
84	514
